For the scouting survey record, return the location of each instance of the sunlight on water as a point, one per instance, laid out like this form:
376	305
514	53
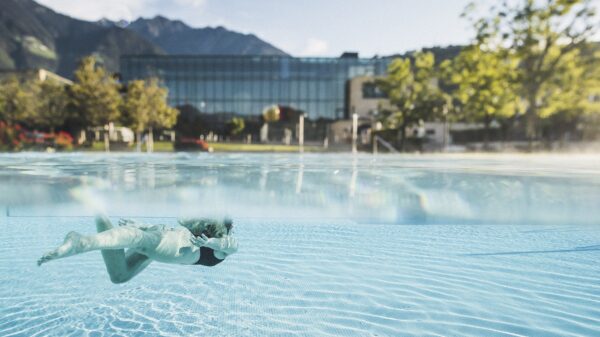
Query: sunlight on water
330	245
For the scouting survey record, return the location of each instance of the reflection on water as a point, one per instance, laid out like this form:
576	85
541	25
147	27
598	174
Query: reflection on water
370	189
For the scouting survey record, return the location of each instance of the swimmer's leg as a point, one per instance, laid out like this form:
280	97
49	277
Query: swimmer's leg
121	266
68	248
114	259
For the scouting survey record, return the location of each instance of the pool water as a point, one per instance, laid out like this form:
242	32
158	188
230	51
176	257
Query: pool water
330	245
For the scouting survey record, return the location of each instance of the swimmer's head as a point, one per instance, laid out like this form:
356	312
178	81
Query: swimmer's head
218	229
212	228
228	223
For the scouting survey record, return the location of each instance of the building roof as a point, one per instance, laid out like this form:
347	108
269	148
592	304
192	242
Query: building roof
39	74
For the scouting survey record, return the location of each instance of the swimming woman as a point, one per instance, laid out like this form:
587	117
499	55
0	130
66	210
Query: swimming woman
204	242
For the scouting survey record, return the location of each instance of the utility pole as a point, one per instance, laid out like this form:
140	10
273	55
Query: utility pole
354	131
445	141
301	133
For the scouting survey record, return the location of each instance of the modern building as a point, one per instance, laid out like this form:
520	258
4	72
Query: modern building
365	98
245	85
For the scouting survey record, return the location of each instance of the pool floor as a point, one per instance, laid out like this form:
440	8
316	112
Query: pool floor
314	278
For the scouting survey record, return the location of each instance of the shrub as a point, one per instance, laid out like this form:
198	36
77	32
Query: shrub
12	138
63	140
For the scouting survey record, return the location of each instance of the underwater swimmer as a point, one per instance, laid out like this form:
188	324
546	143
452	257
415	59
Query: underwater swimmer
204	242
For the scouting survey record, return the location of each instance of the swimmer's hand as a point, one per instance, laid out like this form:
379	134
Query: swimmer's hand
223	246
204	241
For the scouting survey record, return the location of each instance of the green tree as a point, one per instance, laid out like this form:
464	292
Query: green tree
145	107
483	84
95	95
412	88
18	99
52	110
546	38
270	114
575	97
136	109
235	126
160	114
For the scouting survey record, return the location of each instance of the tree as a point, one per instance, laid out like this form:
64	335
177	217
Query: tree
270	114
18	100
136	109
95	95
546	38
52	110
484	85
235	126
412	88
160	114
575	96
145	107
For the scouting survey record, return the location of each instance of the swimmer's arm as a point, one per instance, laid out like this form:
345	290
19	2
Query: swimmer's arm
223	247
133	223
227	245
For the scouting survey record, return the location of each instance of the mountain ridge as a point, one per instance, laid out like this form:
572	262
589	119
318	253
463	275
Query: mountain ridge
177	37
35	36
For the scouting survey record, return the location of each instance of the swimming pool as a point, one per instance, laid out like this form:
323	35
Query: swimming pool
330	245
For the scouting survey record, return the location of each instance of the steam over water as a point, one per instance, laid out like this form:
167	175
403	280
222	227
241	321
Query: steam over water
330	245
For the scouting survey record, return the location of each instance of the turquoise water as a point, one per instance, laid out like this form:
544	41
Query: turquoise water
330	245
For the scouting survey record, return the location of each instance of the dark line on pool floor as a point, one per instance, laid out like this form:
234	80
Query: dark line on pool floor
359	222
527	252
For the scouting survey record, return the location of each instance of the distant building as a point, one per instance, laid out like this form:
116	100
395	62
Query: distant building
245	85
368	101
35	74
365	98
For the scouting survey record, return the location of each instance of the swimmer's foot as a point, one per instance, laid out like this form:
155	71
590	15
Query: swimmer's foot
46	257
71	246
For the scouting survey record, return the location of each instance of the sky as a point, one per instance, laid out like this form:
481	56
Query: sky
303	27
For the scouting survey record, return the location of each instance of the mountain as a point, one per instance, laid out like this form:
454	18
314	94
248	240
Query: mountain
33	36
109	23
175	37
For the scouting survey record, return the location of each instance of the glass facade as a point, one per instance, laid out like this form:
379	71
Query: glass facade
245	85
370	90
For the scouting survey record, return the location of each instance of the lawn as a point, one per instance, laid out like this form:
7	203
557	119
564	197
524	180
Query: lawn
217	147
158	147
238	147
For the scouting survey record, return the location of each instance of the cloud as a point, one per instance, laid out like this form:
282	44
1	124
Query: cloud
191	3
127	9
95	10
315	47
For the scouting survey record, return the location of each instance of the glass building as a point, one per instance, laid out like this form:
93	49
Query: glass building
245	85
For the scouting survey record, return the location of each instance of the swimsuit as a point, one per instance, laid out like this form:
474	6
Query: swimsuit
207	257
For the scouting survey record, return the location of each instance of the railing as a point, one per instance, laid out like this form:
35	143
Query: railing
387	145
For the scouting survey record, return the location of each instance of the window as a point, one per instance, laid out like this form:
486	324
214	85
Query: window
247	84
370	90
